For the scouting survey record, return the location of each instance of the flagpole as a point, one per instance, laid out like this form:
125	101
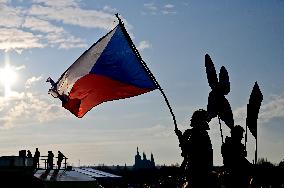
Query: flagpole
221	130
255	157
246	136
147	70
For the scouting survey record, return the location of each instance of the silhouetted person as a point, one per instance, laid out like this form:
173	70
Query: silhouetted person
234	158
197	151
36	158
29	154
183	142
60	158
50	160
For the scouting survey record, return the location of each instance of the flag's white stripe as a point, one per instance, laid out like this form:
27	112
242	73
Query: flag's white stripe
82	66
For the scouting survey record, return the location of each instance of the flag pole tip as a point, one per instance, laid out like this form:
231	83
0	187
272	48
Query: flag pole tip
119	19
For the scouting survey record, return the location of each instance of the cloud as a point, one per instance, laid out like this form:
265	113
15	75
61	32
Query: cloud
74	16
151	6
3	1
19	32
168	12
169	6
273	108
153	9
240	115
53	34
37	26
15	39
160	131
32	80
20	67
110	9
169	9
144	45
59	3
14	16
29	107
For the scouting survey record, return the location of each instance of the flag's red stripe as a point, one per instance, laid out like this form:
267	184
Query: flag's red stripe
93	89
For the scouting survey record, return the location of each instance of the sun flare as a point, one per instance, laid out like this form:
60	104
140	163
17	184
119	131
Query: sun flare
7	77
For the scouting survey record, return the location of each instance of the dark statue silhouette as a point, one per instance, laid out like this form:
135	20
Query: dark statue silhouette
195	143
197	150
234	154
218	105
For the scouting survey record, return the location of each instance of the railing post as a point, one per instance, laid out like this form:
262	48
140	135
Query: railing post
65	162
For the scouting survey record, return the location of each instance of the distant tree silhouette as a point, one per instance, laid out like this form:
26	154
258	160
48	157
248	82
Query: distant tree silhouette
263	162
267	174
281	164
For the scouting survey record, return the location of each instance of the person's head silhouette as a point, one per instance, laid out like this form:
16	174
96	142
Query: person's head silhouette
199	120
237	132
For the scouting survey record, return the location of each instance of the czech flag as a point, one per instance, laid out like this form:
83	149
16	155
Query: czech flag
110	69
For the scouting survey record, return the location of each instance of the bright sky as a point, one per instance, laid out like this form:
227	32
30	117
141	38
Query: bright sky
42	38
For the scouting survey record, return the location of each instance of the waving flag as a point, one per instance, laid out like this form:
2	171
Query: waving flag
111	69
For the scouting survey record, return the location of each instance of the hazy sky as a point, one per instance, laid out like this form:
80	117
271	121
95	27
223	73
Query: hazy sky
42	38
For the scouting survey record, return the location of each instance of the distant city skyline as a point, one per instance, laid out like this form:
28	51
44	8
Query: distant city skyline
42	38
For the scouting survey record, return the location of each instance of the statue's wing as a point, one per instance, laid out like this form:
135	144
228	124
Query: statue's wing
224	82
211	72
225	111
212	106
253	109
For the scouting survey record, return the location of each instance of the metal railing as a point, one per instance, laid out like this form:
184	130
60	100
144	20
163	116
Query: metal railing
45	158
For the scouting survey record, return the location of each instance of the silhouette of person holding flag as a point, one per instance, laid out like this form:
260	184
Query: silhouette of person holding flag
197	151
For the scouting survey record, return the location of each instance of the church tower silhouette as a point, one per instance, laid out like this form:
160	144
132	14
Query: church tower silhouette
143	163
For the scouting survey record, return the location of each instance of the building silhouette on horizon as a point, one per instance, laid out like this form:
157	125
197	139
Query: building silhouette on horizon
143	163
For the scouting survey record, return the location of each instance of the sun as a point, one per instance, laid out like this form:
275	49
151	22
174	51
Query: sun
7	77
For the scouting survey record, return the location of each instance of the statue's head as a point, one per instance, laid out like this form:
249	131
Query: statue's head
237	132
200	119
